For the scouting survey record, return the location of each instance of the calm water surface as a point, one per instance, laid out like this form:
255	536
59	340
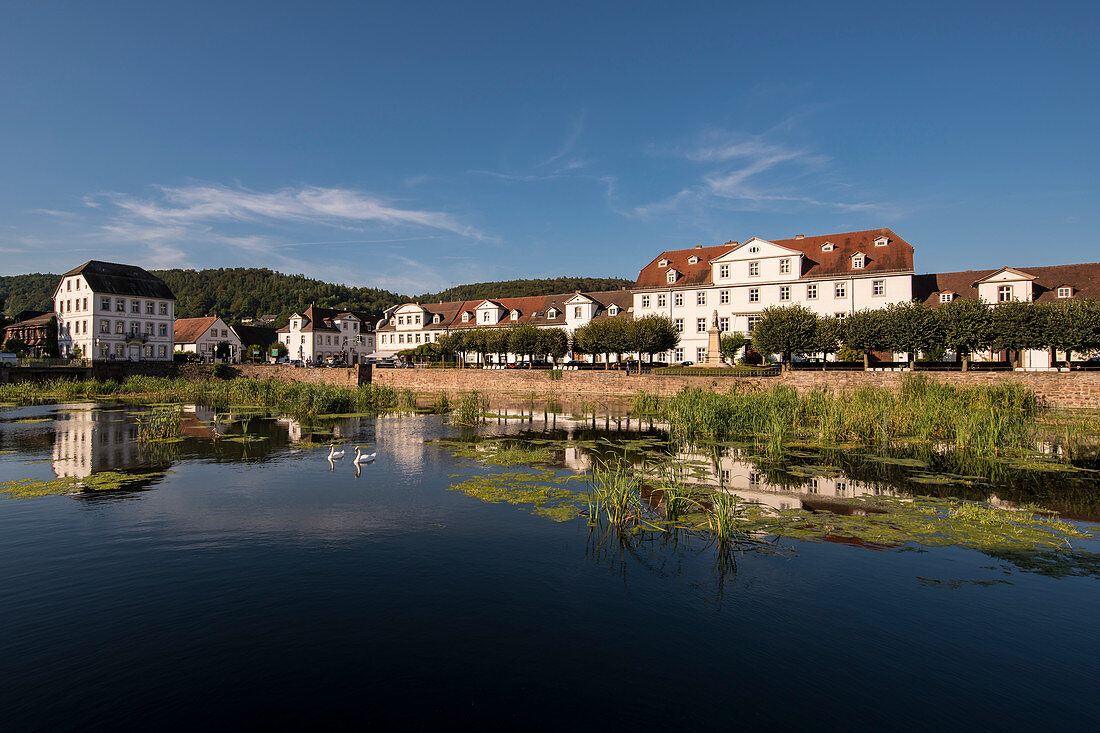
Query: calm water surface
248	584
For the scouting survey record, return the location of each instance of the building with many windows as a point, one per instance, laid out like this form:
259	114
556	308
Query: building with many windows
834	274
114	311
36	330
318	333
408	325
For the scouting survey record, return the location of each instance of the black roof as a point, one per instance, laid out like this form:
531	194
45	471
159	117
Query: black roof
256	335
116	279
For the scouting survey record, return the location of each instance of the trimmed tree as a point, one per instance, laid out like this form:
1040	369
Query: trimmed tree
523	340
863	331
830	335
553	342
1071	326
910	328
731	345
653	334
785	330
1017	326
965	327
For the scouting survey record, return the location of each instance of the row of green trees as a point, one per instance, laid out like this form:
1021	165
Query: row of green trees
648	335
963	326
523	339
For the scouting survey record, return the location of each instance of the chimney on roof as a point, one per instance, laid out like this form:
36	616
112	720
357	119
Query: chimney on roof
800	236
698	246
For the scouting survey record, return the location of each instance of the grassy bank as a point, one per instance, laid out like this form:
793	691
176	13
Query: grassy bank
291	398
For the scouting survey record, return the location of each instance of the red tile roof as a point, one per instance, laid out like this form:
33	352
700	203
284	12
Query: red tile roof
188	330
1084	279
532	309
897	256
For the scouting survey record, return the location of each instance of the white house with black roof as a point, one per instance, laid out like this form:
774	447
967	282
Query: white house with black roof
114	311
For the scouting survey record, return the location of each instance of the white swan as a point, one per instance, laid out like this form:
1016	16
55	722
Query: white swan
334	454
363	457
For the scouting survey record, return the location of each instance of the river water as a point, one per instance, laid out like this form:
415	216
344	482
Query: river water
252	582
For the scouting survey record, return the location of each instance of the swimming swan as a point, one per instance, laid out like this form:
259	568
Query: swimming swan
363	457
334	454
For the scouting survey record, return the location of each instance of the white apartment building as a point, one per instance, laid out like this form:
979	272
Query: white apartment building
201	336
318	333
114	311
408	325
835	274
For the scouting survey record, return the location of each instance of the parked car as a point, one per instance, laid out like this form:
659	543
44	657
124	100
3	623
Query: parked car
685	364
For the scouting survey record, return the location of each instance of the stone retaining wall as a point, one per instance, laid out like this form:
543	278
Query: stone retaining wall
1059	389
345	377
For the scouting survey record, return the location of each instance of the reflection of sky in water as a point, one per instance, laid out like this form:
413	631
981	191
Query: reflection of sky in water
254	583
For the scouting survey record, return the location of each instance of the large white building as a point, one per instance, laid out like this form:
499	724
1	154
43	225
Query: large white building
113	311
317	333
834	274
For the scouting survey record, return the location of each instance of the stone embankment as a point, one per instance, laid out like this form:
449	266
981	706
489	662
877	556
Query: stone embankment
343	377
1058	389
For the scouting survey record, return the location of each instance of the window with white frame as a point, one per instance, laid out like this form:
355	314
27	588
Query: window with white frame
701	297
104	326
723	270
785	266
785	292
857	261
577	311
105	304
840	290
700	325
662	263
486	315
1004	293
754	295
723	297
149	308
670	276
613	310
515	315
678	299
120	305
135	306
645	301
724	323
693	260
700	353
1065	292
662	301
163	310
828	247
466	317
678	325
754	269
878	287
678	354
811	291
946	297
753	320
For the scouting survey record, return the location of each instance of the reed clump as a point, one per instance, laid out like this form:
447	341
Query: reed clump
987	419
291	398
160	423
469	411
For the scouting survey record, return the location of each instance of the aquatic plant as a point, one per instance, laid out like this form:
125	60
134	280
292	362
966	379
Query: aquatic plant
160	423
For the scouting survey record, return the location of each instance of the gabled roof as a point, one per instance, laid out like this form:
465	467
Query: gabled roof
897	256
532	309
188	330
322	320
116	279
1018	273
1084	279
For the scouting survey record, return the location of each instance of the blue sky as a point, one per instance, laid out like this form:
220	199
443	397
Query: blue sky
410	146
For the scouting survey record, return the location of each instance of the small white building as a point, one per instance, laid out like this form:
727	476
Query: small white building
114	311
201	336
318	333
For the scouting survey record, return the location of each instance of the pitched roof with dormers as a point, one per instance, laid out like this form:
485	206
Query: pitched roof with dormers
323	320
895	256
117	279
1084	279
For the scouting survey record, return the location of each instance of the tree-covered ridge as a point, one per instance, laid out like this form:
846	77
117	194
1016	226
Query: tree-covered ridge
233	293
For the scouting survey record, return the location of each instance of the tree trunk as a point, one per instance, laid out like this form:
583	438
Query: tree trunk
866	361
966	361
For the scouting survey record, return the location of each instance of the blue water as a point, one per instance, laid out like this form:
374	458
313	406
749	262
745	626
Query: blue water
252	586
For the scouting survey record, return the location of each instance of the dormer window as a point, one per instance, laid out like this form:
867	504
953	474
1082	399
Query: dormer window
754	249
662	263
613	310
671	276
693	260
515	315
552	313
1065	292
882	241
858	261
466	317
946	297
437	318
828	247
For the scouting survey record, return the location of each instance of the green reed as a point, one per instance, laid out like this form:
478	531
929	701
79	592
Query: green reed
161	423
469	410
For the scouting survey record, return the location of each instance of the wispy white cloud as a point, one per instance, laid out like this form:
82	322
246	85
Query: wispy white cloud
207	203
753	172
569	142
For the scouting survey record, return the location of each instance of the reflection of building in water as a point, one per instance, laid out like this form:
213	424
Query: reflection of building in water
87	441
745	479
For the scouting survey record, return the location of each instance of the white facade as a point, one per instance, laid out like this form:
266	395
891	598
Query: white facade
206	342
755	275
317	334
112	326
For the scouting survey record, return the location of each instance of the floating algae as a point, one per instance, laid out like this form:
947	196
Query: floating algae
541	490
103	481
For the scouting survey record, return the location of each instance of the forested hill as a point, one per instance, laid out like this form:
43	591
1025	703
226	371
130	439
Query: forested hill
237	292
